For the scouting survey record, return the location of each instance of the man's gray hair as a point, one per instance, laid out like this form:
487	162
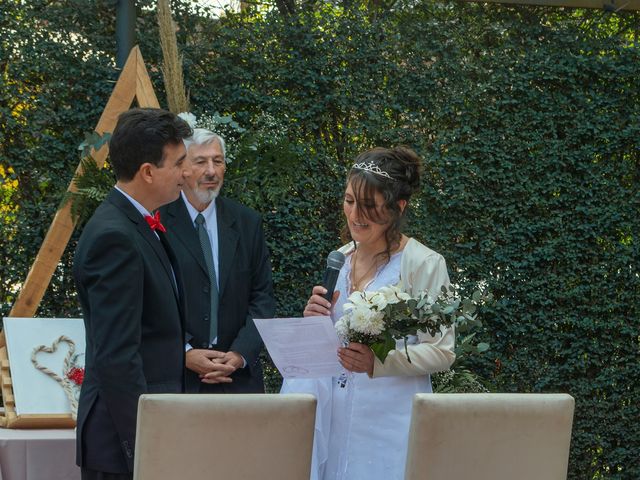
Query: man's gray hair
202	136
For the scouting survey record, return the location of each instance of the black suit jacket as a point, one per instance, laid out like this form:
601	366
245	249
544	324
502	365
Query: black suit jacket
245	287
129	295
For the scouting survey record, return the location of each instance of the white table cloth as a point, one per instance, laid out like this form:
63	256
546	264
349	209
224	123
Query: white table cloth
38	455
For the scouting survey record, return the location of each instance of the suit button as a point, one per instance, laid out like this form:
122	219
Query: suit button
127	449
204	345
205	289
205	318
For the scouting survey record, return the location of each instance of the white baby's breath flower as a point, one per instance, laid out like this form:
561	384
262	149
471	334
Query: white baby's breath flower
342	327
189	117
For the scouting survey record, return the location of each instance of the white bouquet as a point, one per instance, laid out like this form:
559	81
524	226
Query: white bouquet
380	317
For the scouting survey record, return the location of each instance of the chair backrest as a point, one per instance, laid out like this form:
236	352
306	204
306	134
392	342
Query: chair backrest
489	436
247	436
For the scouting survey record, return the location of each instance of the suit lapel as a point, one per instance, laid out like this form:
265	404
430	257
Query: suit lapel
227	243
121	202
179	281
181	227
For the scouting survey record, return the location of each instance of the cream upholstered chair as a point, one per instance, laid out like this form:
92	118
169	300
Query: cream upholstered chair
248	436
488	436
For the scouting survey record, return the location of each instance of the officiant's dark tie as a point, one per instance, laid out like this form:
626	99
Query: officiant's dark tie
208	258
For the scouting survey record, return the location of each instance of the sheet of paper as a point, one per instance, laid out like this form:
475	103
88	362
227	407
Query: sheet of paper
301	347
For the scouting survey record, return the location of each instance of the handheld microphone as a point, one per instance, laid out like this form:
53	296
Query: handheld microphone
335	260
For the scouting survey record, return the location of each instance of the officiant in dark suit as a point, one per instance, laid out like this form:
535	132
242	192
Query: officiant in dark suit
222	252
129	288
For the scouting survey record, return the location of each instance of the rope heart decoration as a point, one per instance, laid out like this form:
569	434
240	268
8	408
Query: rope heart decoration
67	384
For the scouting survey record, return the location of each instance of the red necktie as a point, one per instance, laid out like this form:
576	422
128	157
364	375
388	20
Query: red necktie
154	222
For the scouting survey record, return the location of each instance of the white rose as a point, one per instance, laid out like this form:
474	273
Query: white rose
357	300
390	294
379	300
394	295
403	296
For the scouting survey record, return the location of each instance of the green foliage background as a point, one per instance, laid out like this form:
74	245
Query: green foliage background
528	120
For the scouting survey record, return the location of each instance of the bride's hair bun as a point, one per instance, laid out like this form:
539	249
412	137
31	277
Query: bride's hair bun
408	167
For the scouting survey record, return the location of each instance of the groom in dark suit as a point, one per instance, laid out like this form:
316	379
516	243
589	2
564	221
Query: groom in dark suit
129	289
222	252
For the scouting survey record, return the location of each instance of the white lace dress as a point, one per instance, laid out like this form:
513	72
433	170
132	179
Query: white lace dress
361	428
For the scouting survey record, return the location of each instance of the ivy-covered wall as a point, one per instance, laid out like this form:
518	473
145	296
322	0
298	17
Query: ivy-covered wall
528	120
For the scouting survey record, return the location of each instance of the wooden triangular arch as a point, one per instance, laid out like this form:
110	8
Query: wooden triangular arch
133	84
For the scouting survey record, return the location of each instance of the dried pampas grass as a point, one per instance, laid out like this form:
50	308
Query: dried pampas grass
172	61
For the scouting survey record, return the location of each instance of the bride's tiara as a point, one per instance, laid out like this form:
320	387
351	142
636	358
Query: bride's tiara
371	167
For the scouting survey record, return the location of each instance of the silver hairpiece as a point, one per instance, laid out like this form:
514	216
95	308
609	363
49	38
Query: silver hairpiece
371	167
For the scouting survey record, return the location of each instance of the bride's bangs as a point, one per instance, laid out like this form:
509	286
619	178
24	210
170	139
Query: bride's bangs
365	186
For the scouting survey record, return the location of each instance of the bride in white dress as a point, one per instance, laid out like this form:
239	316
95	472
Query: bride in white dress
362	418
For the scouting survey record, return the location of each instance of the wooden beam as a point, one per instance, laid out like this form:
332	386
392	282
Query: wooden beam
607	5
133	84
145	94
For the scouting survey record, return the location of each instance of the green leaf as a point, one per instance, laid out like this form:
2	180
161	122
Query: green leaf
382	349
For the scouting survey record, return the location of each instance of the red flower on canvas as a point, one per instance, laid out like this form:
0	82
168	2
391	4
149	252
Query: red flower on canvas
76	375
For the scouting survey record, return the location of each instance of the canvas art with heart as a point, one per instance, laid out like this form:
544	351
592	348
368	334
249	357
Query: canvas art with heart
46	359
